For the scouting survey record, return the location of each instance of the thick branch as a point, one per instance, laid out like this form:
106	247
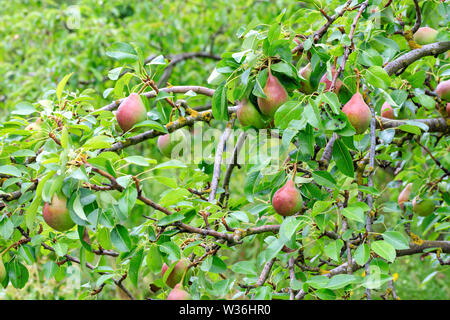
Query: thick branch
414	55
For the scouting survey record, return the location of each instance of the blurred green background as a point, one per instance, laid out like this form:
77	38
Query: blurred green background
42	41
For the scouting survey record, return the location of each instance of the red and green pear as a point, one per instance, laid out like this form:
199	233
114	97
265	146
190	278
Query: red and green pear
305	73
287	200
425	35
56	214
327	82
131	111
443	90
176	275
248	115
423	207
177	293
358	113
387	111
404	195
276	95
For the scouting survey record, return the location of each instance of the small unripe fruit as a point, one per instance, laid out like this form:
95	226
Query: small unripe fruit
35	126
56	214
178	294
167	142
131	111
387	111
327	82
425	35
404	195
276	96
443	90
358	113
424	207
248	115
287	200
305	73
86	237
2	270
176	275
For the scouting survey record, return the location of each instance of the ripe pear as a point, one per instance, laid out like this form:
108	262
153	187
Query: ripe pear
327	82
248	115
387	111
305	73
358	113
448	109
131	111
56	214
443	90
404	195
276	96
425	35
178	294
2	270
176	275
424	207
287	200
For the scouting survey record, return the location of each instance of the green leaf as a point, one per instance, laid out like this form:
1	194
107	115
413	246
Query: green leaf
61	85
343	159
332	100
30	213
362	254
10	171
171	249
333	249
120	238
177	216
18	274
135	265
289	111
138	160
324	178
340	281
24	109
220	103
289	227
384	250
354	213
396	239
377	77
123	52
244	267
171	164
98	142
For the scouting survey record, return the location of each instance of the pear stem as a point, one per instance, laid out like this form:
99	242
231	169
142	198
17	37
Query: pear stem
294	171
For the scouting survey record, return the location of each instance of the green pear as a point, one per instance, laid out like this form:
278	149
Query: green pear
424	207
425	35
248	115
